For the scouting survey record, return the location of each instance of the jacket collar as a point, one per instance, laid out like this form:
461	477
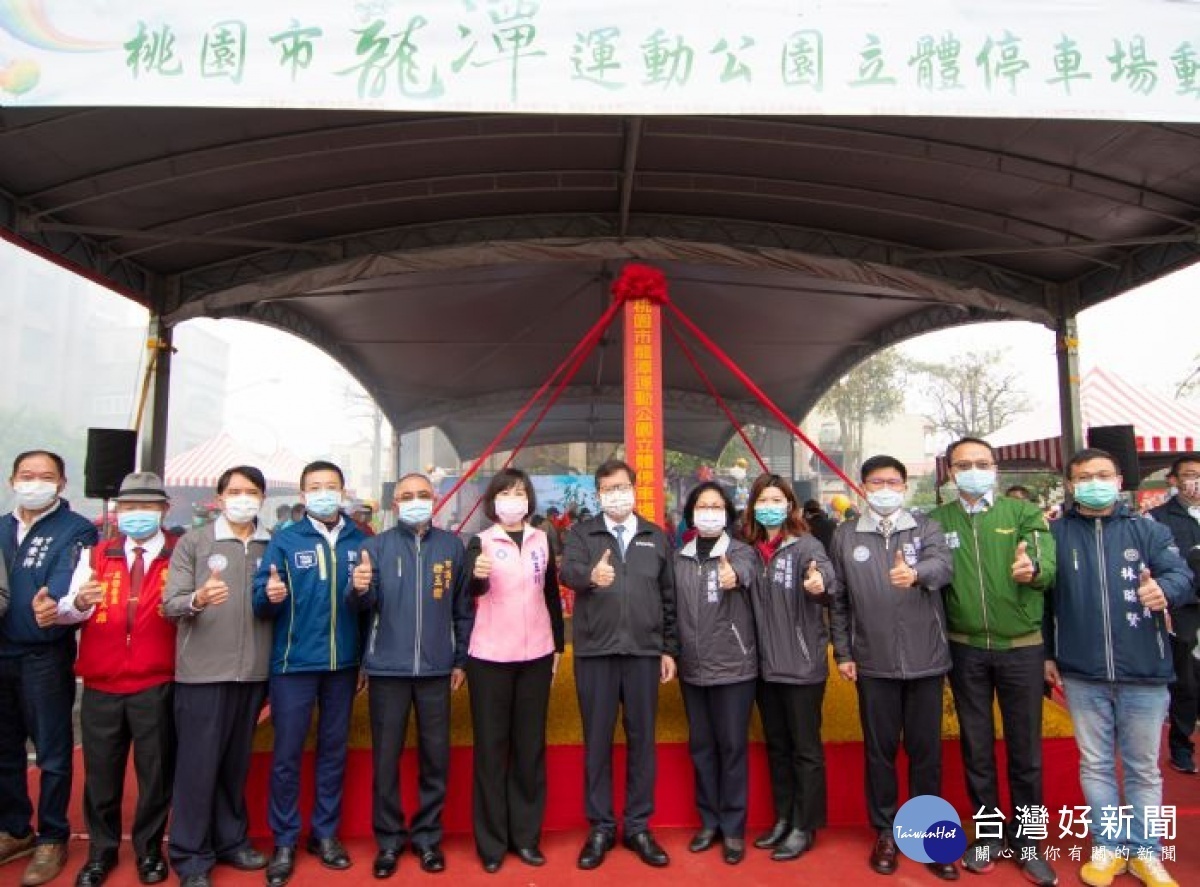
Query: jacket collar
1122	511
222	531
901	520
596	525
718	550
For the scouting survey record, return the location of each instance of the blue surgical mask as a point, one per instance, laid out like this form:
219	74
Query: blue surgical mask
1096	493
139	524
975	481
770	515
415	512
885	501
323	504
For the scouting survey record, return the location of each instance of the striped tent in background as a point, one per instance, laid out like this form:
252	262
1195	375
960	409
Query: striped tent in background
204	463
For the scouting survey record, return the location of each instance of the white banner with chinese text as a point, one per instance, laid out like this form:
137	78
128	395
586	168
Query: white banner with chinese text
1117	59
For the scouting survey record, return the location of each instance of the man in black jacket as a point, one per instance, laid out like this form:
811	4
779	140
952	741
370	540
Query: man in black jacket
625	644
1181	515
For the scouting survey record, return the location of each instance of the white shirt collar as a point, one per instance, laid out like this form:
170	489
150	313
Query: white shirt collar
151	547
630	524
330	533
23	528
982	504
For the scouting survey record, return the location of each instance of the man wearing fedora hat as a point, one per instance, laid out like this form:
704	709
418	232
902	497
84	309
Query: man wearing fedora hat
127	663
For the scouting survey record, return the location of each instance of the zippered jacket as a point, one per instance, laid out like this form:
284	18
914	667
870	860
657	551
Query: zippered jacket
1097	630
226	642
513	617
635	616
127	646
793	637
716	628
314	630
985	606
421	615
890	632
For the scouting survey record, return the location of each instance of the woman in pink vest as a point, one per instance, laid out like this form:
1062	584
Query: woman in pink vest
514	651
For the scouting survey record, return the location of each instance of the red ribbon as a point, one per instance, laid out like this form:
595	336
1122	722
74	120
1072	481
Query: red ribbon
638	281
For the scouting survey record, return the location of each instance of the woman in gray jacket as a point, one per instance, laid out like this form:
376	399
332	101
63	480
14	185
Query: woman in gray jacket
221	669
790	600
718	662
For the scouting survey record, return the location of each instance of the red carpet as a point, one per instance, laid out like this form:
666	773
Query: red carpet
838	859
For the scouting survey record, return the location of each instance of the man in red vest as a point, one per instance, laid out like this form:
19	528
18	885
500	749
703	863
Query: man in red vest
127	663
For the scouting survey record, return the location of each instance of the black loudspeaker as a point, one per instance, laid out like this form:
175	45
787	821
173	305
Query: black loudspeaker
385	497
111	455
1119	440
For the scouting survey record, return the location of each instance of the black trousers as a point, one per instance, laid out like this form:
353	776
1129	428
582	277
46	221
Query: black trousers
1015	678
111	722
604	684
718	738
215	724
791	718
1185	691
391	700
509	703
888	710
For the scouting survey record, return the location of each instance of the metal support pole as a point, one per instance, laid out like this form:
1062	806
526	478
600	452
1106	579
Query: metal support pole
154	439
1067	348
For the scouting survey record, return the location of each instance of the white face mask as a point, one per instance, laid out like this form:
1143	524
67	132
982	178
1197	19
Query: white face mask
709	521
618	504
511	509
885	501
35	494
242	509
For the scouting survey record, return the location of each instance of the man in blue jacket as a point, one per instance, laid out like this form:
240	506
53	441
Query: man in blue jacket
40	542
1108	648
411	581
301	584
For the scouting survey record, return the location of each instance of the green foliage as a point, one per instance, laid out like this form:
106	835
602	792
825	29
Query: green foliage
872	391
971	395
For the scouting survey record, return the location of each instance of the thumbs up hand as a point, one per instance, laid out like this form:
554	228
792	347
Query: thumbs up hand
814	582
726	576
363	573
603	574
1150	593
1022	567
45	608
902	575
483	566
89	594
276	590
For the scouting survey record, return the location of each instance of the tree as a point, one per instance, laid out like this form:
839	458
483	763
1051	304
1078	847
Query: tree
971	395
872	391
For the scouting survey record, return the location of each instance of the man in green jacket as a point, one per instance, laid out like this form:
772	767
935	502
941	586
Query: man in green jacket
1003	565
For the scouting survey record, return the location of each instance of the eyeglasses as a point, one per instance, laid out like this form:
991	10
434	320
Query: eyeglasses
1188	476
617	488
1099	475
982	465
878	483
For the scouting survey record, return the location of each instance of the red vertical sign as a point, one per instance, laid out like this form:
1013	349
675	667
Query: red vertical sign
644	405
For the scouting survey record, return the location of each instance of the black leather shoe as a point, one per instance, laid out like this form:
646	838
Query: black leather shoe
794	845
947	871
770	840
598	843
152	868
704	839
432	858
196	881
385	863
95	870
647	849
245	860
281	866
331	853
491	866
884	855
733	850
530	856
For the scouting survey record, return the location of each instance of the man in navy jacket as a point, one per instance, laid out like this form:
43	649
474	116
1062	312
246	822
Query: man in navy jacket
1107	646
411	581
301	585
41	541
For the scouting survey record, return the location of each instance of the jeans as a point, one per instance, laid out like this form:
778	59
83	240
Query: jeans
37	693
1125	719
